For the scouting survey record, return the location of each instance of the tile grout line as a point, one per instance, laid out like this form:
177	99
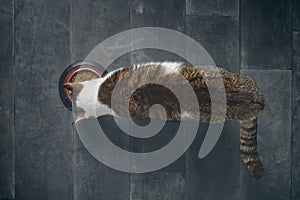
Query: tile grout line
71	58
13	96
186	158
186	167
185	154
266	70
130	61
239	71
291	97
211	15
240	35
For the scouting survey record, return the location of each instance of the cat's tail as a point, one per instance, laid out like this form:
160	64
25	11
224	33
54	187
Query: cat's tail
248	147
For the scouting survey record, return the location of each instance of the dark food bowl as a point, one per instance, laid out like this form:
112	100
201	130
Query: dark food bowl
78	72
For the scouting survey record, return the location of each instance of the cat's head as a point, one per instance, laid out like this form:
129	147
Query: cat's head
85	99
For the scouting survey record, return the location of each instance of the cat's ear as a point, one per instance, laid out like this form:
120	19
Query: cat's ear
73	86
69	86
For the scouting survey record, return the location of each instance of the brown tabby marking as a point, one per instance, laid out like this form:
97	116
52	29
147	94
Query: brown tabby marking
244	101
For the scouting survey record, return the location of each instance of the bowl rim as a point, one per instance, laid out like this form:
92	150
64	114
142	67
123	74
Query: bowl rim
72	69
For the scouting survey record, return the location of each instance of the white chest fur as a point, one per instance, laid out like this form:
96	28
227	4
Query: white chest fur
87	100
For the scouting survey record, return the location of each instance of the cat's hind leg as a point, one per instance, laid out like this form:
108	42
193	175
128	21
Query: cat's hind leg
248	146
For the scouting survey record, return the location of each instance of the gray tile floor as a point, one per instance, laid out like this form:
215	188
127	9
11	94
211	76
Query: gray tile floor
41	156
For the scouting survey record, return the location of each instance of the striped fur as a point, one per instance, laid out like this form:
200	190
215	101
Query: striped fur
248	147
244	101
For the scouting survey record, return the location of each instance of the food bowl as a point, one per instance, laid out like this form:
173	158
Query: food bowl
78	72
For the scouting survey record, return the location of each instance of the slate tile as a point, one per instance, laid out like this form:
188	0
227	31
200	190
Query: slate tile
6	102
274	138
265	34
158	186
215	176
95	21
92	23
296	14
43	138
168	14
219	36
94	180
296	116
158	141
165	136
215	7
167	133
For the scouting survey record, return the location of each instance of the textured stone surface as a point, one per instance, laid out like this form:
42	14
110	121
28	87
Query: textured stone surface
212	7
296	117
95	21
296	14
6	101
217	175
265	34
93	180
49	35
157	185
274	138
218	36
209	176
43	140
92	23
166	14
166	135
158	141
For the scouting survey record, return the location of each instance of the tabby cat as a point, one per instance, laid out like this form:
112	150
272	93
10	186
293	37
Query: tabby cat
244	101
